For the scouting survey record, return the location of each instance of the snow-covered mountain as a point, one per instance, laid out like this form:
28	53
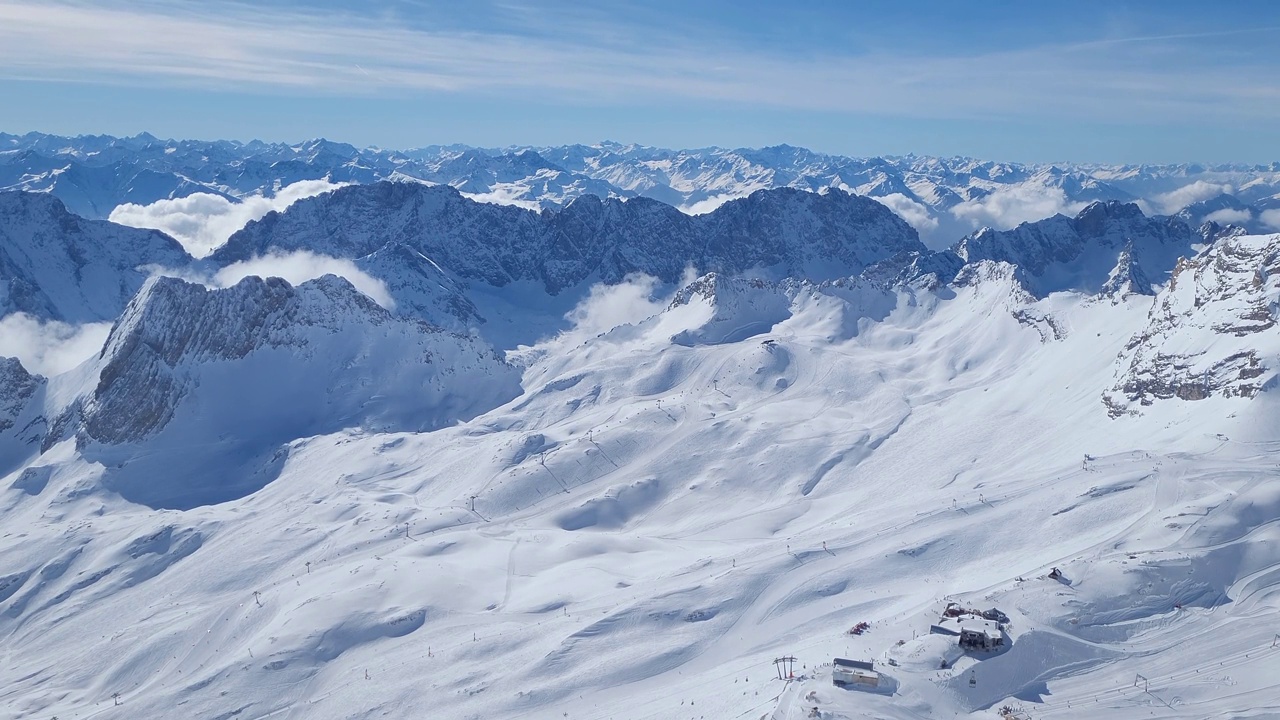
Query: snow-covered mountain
612	460
1107	246
428	242
944	198
55	265
197	389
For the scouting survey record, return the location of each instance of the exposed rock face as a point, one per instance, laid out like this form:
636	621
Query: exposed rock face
198	392
1126	277
22	424
1110	248
17	386
1083	253
57	266
307	359
739	308
1211	331
791	232
421	288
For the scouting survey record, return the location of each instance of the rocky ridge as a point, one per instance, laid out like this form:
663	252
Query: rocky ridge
815	235
1210	332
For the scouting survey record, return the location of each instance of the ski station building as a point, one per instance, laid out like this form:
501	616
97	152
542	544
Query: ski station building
854	672
981	636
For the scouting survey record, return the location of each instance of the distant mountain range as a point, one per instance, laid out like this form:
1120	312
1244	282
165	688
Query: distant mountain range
447	282
944	198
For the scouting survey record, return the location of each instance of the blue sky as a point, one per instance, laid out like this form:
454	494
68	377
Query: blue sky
1028	81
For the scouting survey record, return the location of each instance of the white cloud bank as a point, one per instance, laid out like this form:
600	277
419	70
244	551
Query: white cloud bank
706	205
916	214
203	221
1008	207
52	347
608	306
1227	216
301	266
636	310
1175	200
1270	218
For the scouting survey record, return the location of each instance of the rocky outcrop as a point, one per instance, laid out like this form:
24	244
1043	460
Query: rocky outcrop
1211	331
22	423
1126	278
17	386
1084	253
198	392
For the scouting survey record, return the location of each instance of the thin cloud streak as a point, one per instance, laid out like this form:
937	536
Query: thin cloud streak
240	47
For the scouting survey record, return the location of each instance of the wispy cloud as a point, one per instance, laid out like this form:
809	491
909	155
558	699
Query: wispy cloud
230	45
1228	216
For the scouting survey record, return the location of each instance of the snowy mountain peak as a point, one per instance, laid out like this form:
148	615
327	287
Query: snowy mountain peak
1098	217
945	197
1126	277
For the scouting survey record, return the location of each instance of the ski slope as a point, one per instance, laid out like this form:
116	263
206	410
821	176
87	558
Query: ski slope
652	522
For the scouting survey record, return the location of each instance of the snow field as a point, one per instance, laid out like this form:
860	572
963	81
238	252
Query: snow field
654	523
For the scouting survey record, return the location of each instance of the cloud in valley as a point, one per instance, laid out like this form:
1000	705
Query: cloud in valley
916	214
1175	200
633	311
702	207
608	306
1228	216
1270	218
52	347
295	267
203	221
1008	207
301	266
